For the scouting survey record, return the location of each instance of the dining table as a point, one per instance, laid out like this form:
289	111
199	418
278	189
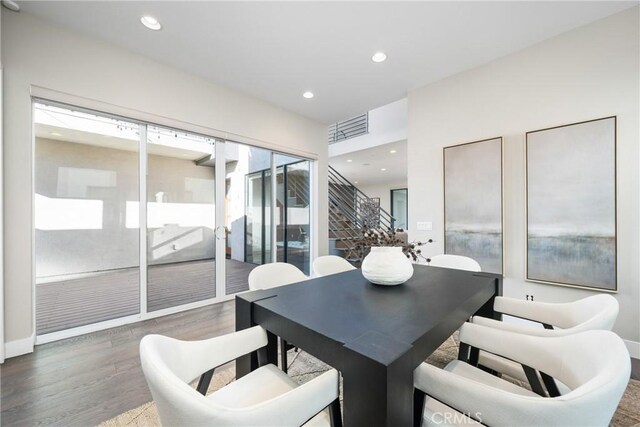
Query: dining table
374	335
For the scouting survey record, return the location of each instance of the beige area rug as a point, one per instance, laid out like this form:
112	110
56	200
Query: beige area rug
303	367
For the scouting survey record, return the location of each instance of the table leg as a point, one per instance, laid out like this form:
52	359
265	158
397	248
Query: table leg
254	360
376	394
487	309
248	362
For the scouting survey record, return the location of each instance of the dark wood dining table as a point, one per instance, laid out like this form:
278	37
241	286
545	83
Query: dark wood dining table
374	335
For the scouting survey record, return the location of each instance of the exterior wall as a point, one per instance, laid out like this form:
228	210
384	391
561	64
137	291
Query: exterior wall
37	54
587	73
114	245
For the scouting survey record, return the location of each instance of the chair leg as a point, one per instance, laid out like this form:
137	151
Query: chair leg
418	406
335	413
550	384
283	355
534	381
203	383
463	352
474	356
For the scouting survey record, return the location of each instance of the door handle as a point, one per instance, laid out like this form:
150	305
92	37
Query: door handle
224	232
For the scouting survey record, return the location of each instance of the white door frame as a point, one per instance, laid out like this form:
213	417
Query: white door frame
220	210
2	344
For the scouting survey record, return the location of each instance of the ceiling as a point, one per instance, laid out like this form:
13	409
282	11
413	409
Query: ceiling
365	165
277	50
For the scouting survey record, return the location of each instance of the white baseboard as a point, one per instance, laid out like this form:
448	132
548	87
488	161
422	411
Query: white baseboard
634	348
19	347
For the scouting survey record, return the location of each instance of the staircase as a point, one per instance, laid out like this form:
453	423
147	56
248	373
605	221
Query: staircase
297	189
350	212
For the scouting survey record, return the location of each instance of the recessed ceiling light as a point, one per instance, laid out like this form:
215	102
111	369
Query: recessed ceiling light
379	57
151	23
349	160
383	169
393	151
355	182
308	94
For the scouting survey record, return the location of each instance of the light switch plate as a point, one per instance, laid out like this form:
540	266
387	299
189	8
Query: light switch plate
425	226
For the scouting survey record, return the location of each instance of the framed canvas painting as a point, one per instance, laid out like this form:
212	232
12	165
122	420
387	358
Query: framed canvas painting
473	202
571	205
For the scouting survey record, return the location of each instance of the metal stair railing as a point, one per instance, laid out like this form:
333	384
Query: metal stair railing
298	187
350	213
386	220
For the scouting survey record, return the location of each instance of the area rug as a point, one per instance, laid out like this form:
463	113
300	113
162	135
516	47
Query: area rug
303	367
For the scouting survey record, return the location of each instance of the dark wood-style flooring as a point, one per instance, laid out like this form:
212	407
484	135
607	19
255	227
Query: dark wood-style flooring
78	300
89	379
85	380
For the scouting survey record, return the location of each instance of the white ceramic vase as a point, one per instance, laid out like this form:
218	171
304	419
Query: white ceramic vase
387	266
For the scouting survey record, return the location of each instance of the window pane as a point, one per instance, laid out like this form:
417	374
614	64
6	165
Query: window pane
399	208
293	211
248	213
180	218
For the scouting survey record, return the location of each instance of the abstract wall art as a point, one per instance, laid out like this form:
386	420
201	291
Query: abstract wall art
571	204
473	202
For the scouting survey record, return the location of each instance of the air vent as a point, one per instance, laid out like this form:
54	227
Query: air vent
347	129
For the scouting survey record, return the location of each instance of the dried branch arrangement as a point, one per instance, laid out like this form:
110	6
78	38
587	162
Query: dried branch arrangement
372	237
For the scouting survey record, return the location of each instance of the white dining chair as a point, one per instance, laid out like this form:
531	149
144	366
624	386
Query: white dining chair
267	276
554	320
595	365
457	262
331	264
275	274
264	397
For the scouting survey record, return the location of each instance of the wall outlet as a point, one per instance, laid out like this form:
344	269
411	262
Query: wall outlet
425	226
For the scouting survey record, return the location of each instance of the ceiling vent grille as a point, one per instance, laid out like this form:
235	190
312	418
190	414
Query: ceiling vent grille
348	129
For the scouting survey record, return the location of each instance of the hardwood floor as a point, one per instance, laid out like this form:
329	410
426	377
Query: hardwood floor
67	302
85	380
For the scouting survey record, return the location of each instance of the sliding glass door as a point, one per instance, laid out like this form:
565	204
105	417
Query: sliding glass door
135	220
85	217
257	218
181	220
293	211
247	213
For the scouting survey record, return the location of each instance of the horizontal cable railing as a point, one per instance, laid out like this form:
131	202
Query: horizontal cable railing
350	128
336	178
350	213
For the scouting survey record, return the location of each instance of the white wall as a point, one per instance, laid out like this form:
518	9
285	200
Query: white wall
36	53
587	73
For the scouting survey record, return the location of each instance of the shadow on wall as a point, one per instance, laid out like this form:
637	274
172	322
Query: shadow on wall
61	252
